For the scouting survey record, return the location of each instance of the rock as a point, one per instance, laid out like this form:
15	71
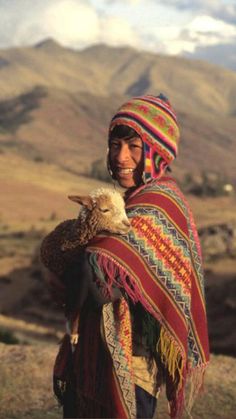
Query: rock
218	240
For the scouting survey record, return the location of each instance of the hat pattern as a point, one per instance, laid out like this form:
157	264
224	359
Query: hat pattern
154	120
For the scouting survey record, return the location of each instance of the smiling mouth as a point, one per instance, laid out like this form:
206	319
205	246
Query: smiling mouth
124	171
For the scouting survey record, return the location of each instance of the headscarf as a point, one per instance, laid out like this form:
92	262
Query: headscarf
155	121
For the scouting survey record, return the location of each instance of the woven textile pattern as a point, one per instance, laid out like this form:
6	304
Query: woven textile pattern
159	264
116	319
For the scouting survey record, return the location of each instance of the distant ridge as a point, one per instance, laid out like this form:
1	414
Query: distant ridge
82	89
48	43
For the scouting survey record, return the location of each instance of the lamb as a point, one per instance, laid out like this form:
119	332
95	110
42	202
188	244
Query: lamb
102	210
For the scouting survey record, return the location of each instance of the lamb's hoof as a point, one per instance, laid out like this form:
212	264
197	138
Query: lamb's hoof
74	339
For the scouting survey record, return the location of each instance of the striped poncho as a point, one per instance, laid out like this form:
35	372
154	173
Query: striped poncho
159	265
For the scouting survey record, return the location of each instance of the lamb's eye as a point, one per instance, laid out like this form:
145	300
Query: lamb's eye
104	210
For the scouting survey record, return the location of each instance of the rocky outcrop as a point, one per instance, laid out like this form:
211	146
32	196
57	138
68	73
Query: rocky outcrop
218	241
221	312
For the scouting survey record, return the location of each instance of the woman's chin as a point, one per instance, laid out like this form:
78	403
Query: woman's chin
126	183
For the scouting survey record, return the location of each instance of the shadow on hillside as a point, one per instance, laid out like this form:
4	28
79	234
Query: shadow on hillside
17	111
221	312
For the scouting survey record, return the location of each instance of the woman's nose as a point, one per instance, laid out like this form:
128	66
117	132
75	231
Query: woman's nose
123	154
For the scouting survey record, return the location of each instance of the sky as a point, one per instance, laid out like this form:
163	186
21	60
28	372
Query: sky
194	28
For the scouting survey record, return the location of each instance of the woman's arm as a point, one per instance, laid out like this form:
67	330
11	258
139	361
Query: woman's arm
81	281
77	282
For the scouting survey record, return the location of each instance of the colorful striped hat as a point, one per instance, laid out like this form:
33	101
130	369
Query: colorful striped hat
154	120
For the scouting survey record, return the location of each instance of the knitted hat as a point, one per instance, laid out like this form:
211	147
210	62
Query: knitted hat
154	120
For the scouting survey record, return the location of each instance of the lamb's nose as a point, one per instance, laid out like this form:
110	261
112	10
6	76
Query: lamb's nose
126	223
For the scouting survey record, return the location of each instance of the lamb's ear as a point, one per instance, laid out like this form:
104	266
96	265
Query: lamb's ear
86	201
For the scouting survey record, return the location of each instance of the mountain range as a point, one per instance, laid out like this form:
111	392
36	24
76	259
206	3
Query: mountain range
56	104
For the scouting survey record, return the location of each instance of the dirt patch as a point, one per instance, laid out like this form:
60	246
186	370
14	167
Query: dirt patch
25	380
26	389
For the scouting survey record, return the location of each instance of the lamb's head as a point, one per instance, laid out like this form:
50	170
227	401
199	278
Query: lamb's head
104	209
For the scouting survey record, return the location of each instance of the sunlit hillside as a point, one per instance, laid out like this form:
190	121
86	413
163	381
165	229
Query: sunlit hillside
56	104
55	107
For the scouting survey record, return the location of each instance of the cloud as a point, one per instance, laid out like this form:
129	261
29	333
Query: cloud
205	30
224	54
74	23
116	31
214	8
129	2
71	22
188	27
202	31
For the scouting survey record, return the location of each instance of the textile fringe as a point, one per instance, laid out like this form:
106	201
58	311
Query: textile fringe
116	275
171	356
188	383
195	386
111	273
174	362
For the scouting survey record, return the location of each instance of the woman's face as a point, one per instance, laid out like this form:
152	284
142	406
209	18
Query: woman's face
126	160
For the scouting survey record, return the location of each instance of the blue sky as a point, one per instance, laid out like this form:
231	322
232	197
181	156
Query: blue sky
195	28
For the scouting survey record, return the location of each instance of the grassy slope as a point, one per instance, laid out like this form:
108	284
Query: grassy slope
35	197
104	70
33	191
86	87
25	385
30	201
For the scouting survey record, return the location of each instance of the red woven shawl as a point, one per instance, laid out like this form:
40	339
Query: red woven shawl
159	264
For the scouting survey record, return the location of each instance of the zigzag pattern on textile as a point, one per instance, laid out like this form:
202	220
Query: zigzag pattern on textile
159	265
117	329
164	275
160	219
193	352
174	191
164	248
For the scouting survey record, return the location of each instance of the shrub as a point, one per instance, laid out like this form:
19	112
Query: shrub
38	159
7	337
208	183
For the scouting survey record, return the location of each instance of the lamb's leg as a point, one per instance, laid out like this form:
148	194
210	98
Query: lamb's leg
74	325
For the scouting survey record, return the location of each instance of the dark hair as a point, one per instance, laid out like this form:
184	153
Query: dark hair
121	131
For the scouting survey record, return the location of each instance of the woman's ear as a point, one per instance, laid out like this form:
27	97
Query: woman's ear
109	165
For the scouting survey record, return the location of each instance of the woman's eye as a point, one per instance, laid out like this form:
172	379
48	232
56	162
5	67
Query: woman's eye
135	146
115	145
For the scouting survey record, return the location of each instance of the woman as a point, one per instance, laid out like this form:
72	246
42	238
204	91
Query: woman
143	322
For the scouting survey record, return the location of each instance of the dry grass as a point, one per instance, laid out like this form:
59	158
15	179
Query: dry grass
35	193
210	211
68	126
25	385
106	70
29	332
61	130
218	400
25	380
